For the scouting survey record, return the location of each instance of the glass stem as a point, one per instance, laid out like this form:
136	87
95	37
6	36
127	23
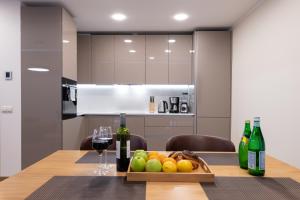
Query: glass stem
105	158
100	162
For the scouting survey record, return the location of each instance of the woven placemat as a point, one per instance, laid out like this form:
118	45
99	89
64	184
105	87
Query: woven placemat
89	188
92	157
252	188
220	158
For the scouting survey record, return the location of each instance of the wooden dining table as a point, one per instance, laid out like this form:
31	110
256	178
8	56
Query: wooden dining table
62	163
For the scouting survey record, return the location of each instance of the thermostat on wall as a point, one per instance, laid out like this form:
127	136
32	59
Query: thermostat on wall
8	75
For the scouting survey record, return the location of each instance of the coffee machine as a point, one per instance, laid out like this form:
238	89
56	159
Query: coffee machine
174	104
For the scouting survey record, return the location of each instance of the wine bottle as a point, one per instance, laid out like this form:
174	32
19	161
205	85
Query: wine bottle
256	151
243	147
123	145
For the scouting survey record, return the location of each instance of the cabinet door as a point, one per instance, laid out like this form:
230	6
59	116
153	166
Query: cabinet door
94	122
69	34
157	68
103	59
213	82
130	59
214	127
74	131
84	59
135	124
180	59
157	137
171	121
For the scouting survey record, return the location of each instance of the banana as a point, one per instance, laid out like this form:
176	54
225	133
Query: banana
187	155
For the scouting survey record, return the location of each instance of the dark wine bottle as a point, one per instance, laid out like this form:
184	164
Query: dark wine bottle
123	145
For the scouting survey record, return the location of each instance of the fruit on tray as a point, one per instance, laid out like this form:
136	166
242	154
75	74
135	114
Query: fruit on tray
186	155
154	161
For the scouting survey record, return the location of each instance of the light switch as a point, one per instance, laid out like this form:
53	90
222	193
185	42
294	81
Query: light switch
6	109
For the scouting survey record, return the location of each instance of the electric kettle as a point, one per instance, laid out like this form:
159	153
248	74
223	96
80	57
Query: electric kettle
162	106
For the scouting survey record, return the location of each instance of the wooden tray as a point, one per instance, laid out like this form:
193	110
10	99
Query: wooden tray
202	174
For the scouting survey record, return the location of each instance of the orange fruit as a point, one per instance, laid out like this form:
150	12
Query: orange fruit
162	157
184	166
152	153
153	157
169	167
169	159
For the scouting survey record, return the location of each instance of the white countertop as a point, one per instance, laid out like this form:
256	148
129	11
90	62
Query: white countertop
139	114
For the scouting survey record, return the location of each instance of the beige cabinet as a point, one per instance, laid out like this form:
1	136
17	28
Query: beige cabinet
213	82
69	35
103	59
158	129
74	131
130	59
180	59
157	59
84	56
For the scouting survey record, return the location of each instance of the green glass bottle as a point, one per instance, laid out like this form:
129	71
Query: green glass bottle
256	151
123	145
243	147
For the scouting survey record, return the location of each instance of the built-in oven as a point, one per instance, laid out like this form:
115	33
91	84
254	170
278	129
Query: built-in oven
69	98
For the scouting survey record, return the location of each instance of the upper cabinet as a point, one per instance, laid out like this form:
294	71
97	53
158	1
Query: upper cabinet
135	59
84	56
103	59
130	59
180	59
69	40
157	59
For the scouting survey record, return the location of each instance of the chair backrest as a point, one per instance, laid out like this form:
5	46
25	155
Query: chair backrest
199	143
136	142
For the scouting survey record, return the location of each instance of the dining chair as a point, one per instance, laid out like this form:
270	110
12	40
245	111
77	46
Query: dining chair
199	143
136	142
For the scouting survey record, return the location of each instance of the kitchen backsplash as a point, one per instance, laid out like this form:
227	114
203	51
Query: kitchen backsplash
93	99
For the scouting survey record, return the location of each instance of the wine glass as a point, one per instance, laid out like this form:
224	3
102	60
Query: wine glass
99	143
107	133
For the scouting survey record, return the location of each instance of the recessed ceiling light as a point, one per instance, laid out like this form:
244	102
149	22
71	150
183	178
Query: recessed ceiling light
192	51
171	41
180	16
66	41
132	51
167	51
151	58
128	41
38	69
118	17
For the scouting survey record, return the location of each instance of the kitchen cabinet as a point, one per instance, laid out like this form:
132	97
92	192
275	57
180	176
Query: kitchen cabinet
84	53
159	129
130	59
180	59
69	41
74	131
157	60
213	81
103	59
94	122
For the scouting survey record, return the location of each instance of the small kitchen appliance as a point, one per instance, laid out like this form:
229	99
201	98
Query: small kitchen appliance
184	107
162	106
174	104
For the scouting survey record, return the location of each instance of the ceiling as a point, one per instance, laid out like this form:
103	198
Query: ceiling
154	15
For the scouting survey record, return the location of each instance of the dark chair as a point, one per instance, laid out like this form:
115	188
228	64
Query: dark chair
199	143
136	142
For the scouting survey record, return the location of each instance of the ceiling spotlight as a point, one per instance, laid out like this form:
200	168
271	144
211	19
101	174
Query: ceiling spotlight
180	16
128	41
151	58
66	41
38	69
132	51
171	41
118	17
167	51
192	51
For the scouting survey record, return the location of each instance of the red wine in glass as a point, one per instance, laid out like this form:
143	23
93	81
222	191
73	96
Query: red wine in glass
101	144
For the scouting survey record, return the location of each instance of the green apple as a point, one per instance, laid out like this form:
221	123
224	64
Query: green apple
153	165
141	153
138	164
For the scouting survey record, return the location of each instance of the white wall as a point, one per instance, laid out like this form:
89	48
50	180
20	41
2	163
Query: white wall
10	91
265	76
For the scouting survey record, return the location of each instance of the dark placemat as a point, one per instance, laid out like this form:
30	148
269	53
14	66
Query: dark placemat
92	157
252	188
90	188
220	158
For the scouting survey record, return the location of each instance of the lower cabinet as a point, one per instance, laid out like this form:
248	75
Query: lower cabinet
74	131
219	127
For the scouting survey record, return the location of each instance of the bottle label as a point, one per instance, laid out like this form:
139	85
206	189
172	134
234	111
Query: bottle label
118	149
128	148
245	140
251	160
262	160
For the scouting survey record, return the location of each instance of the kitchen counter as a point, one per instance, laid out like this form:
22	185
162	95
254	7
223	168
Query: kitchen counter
137	114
